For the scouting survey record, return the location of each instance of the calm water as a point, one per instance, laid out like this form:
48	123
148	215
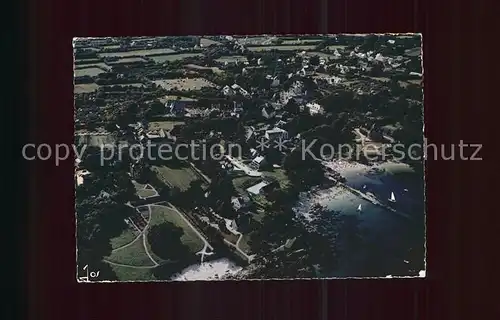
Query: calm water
376	242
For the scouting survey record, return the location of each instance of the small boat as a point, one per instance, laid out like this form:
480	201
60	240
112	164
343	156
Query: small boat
359	208
392	198
364	187
406	190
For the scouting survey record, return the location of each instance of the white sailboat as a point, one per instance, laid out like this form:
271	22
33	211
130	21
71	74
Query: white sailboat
359	208
392	198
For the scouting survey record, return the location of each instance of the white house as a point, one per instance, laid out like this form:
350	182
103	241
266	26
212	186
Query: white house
256	188
80	176
257	162
314	108
228	91
239	89
276	133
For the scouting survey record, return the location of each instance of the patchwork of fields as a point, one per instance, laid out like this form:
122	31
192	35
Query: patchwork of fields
136	53
174	57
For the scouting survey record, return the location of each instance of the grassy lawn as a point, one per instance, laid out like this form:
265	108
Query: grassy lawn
127	236
230	237
146	193
180	178
160	214
280	175
134	255
133	274
242	183
138	186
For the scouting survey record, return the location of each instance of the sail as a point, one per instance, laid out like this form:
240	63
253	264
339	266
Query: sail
393	198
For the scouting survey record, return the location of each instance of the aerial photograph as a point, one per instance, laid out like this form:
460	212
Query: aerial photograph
249	157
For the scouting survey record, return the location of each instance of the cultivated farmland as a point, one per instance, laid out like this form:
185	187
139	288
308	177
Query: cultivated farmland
231	59
86	87
184	84
174	57
127	60
282	48
136	53
91	72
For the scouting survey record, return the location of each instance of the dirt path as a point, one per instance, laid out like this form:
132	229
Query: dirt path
143	235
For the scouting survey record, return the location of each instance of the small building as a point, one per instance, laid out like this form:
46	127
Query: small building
257	188
228	91
80	176
258	162
276	134
314	108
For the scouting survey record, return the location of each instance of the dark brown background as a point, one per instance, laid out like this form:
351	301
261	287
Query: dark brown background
459	82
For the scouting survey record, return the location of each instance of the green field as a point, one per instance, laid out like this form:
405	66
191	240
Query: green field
136	53
137	85
280	175
178	177
184	84
242	183
146	193
127	236
231	59
127	60
338	47
301	41
98	65
86	87
133	255
204	42
161	214
320	54
112	46
174	57
282	48
91	72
